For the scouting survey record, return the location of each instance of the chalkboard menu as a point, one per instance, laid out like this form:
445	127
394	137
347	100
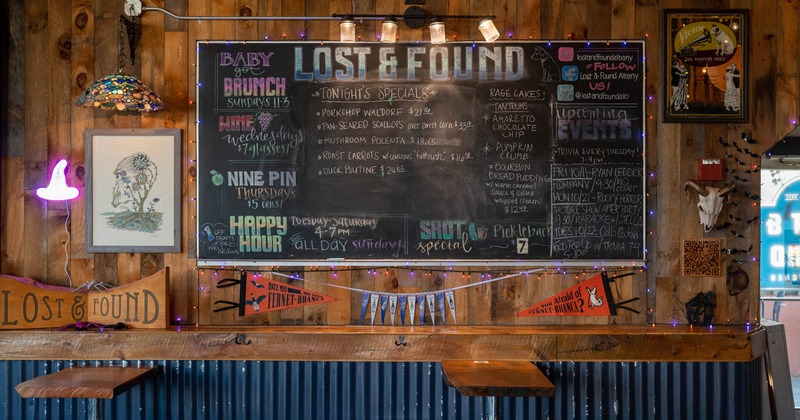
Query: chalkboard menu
494	153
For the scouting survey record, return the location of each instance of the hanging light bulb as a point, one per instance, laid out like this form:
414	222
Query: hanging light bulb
347	29
389	30
488	30
57	189
437	31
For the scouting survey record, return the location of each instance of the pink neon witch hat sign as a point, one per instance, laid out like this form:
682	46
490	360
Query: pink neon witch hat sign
58	189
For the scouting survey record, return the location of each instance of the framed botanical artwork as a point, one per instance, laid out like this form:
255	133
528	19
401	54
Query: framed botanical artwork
705	65
133	190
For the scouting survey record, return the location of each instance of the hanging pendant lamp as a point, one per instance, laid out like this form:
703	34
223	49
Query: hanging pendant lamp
120	91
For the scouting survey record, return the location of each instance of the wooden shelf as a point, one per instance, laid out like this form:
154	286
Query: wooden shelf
496	378
86	382
357	343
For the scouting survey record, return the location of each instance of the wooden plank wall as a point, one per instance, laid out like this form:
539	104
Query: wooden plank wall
59	47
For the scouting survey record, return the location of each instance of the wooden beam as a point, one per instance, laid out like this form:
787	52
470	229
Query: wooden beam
394	344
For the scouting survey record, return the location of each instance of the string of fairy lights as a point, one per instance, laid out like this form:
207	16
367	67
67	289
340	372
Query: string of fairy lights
482	275
431	276
742	254
413	271
651	98
571	37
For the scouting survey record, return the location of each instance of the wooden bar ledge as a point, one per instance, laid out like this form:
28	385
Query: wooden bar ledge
617	343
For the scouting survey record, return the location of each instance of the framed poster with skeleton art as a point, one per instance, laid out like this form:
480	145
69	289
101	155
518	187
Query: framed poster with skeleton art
705	65
133	190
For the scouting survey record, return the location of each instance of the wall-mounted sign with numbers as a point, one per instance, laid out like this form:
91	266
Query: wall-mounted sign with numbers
780	229
497	153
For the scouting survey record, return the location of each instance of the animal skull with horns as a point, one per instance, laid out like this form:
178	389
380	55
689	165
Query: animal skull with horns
709	201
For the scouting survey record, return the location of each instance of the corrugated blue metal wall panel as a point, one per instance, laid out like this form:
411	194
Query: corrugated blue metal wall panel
195	390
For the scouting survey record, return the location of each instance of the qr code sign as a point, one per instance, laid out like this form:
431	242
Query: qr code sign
701	257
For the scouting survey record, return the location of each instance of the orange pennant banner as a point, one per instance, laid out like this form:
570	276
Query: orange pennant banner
264	295
589	297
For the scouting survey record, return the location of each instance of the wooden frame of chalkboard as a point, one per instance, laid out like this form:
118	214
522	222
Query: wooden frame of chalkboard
510	153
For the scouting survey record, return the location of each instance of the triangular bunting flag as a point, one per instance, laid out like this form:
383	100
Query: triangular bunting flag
412	308
264	295
451	302
384	305
440	302
402	303
589	297
392	307
431	308
373	306
364	304
421	305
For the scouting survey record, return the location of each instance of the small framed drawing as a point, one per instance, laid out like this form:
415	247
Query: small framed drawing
705	65
133	190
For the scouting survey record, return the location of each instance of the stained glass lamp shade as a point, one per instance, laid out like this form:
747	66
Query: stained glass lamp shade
120	92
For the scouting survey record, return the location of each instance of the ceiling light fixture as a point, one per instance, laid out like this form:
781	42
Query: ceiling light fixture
389	30
347	29
488	30
414	17
438	35
120	91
